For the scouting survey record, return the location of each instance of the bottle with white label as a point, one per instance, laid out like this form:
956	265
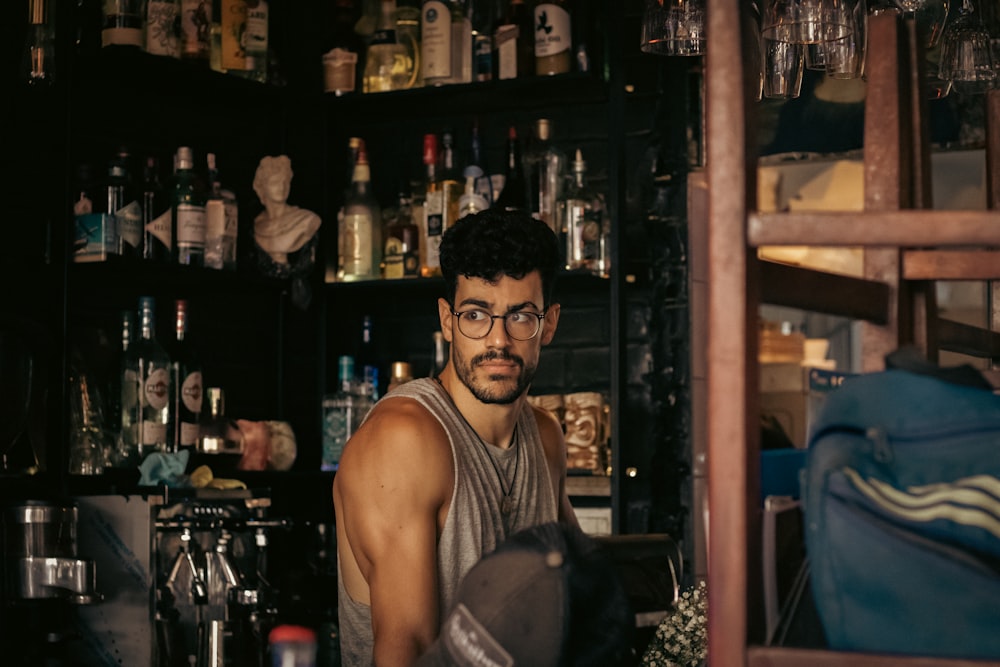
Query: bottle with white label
461	43
553	38
221	221
435	42
360	228
186	382
146	409
161	28
256	39
187	212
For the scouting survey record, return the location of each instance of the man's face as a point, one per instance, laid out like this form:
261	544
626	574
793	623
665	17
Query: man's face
497	368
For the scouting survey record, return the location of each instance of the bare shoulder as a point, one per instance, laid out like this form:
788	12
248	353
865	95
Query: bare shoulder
548	427
399	437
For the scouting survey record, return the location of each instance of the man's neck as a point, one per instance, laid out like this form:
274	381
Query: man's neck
493	422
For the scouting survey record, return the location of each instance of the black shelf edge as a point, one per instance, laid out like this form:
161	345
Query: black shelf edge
565	280
121	274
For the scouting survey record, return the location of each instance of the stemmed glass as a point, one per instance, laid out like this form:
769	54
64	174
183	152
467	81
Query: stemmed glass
967	52
930	16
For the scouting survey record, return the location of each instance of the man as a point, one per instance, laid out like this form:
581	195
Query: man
444	469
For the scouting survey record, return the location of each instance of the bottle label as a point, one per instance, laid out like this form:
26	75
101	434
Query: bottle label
433	227
233	23
506	48
552	30
256	38
196	29
191	392
189	434
356	245
393	258
160	228
129	219
190	226
435	45
153	433
161	28
232	216
215	220
156	389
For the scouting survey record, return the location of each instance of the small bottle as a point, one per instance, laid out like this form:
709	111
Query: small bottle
125	207
221	221
514	195
156	212
432	211
471	201
122	23
582	220
146	406
553	38
186	380
545	167
217	433
162	17
196	32
360	238
400	374
188	212
343	412
292	646
256	39
402	244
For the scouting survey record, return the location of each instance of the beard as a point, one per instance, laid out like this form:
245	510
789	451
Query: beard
494	389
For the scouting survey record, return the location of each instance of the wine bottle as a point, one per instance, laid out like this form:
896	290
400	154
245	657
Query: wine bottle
553	38
514	42
185	381
461	43
162	17
359	240
156	213
146	408
514	195
435	42
187	212
124	205
221	221
122	405
256	37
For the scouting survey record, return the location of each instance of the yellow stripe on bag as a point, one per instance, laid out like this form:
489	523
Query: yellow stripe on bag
974	509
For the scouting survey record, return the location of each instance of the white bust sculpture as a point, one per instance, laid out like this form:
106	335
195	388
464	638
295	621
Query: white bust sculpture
281	228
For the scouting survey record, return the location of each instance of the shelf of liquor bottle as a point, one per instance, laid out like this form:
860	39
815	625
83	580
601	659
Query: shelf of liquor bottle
469	98
570	280
116	274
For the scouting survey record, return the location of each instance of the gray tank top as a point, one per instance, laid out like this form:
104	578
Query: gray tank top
474	525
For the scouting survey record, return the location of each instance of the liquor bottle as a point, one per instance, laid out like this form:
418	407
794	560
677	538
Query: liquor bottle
187	212
343	412
94	236
162	18
196	31
514	195
123	23
343	55
553	38
156	213
514	41
232	38
385	58
402	243
124	204
452	182
545	167
366	360
461	43
435	42
359	240
185	381
146	408
217	433
471	201
581	215
123	423
221	221
256	38
38	64
484	185
440	202
408	34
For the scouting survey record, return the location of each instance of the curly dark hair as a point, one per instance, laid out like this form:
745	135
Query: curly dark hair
496	243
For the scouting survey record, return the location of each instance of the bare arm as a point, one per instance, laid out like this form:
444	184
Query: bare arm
555	455
391	492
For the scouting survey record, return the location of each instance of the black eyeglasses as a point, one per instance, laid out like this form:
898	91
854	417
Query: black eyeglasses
477	323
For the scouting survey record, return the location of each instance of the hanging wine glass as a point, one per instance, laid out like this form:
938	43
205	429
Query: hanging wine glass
805	21
967	52
930	16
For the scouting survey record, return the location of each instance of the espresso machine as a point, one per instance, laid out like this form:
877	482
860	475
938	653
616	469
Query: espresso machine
186	573
45	583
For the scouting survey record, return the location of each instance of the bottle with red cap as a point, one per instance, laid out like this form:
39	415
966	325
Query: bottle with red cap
292	646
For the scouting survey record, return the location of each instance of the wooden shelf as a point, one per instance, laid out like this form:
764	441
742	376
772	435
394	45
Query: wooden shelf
845	296
951	264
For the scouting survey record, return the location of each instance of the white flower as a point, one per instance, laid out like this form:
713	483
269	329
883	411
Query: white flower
681	638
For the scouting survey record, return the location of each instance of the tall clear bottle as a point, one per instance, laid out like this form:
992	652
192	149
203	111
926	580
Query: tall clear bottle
185	381
514	195
545	166
440	202
124	205
221	221
187	211
435	42
553	38
583	223
157	235
386	62
461	43
123	402
146	409
360	235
